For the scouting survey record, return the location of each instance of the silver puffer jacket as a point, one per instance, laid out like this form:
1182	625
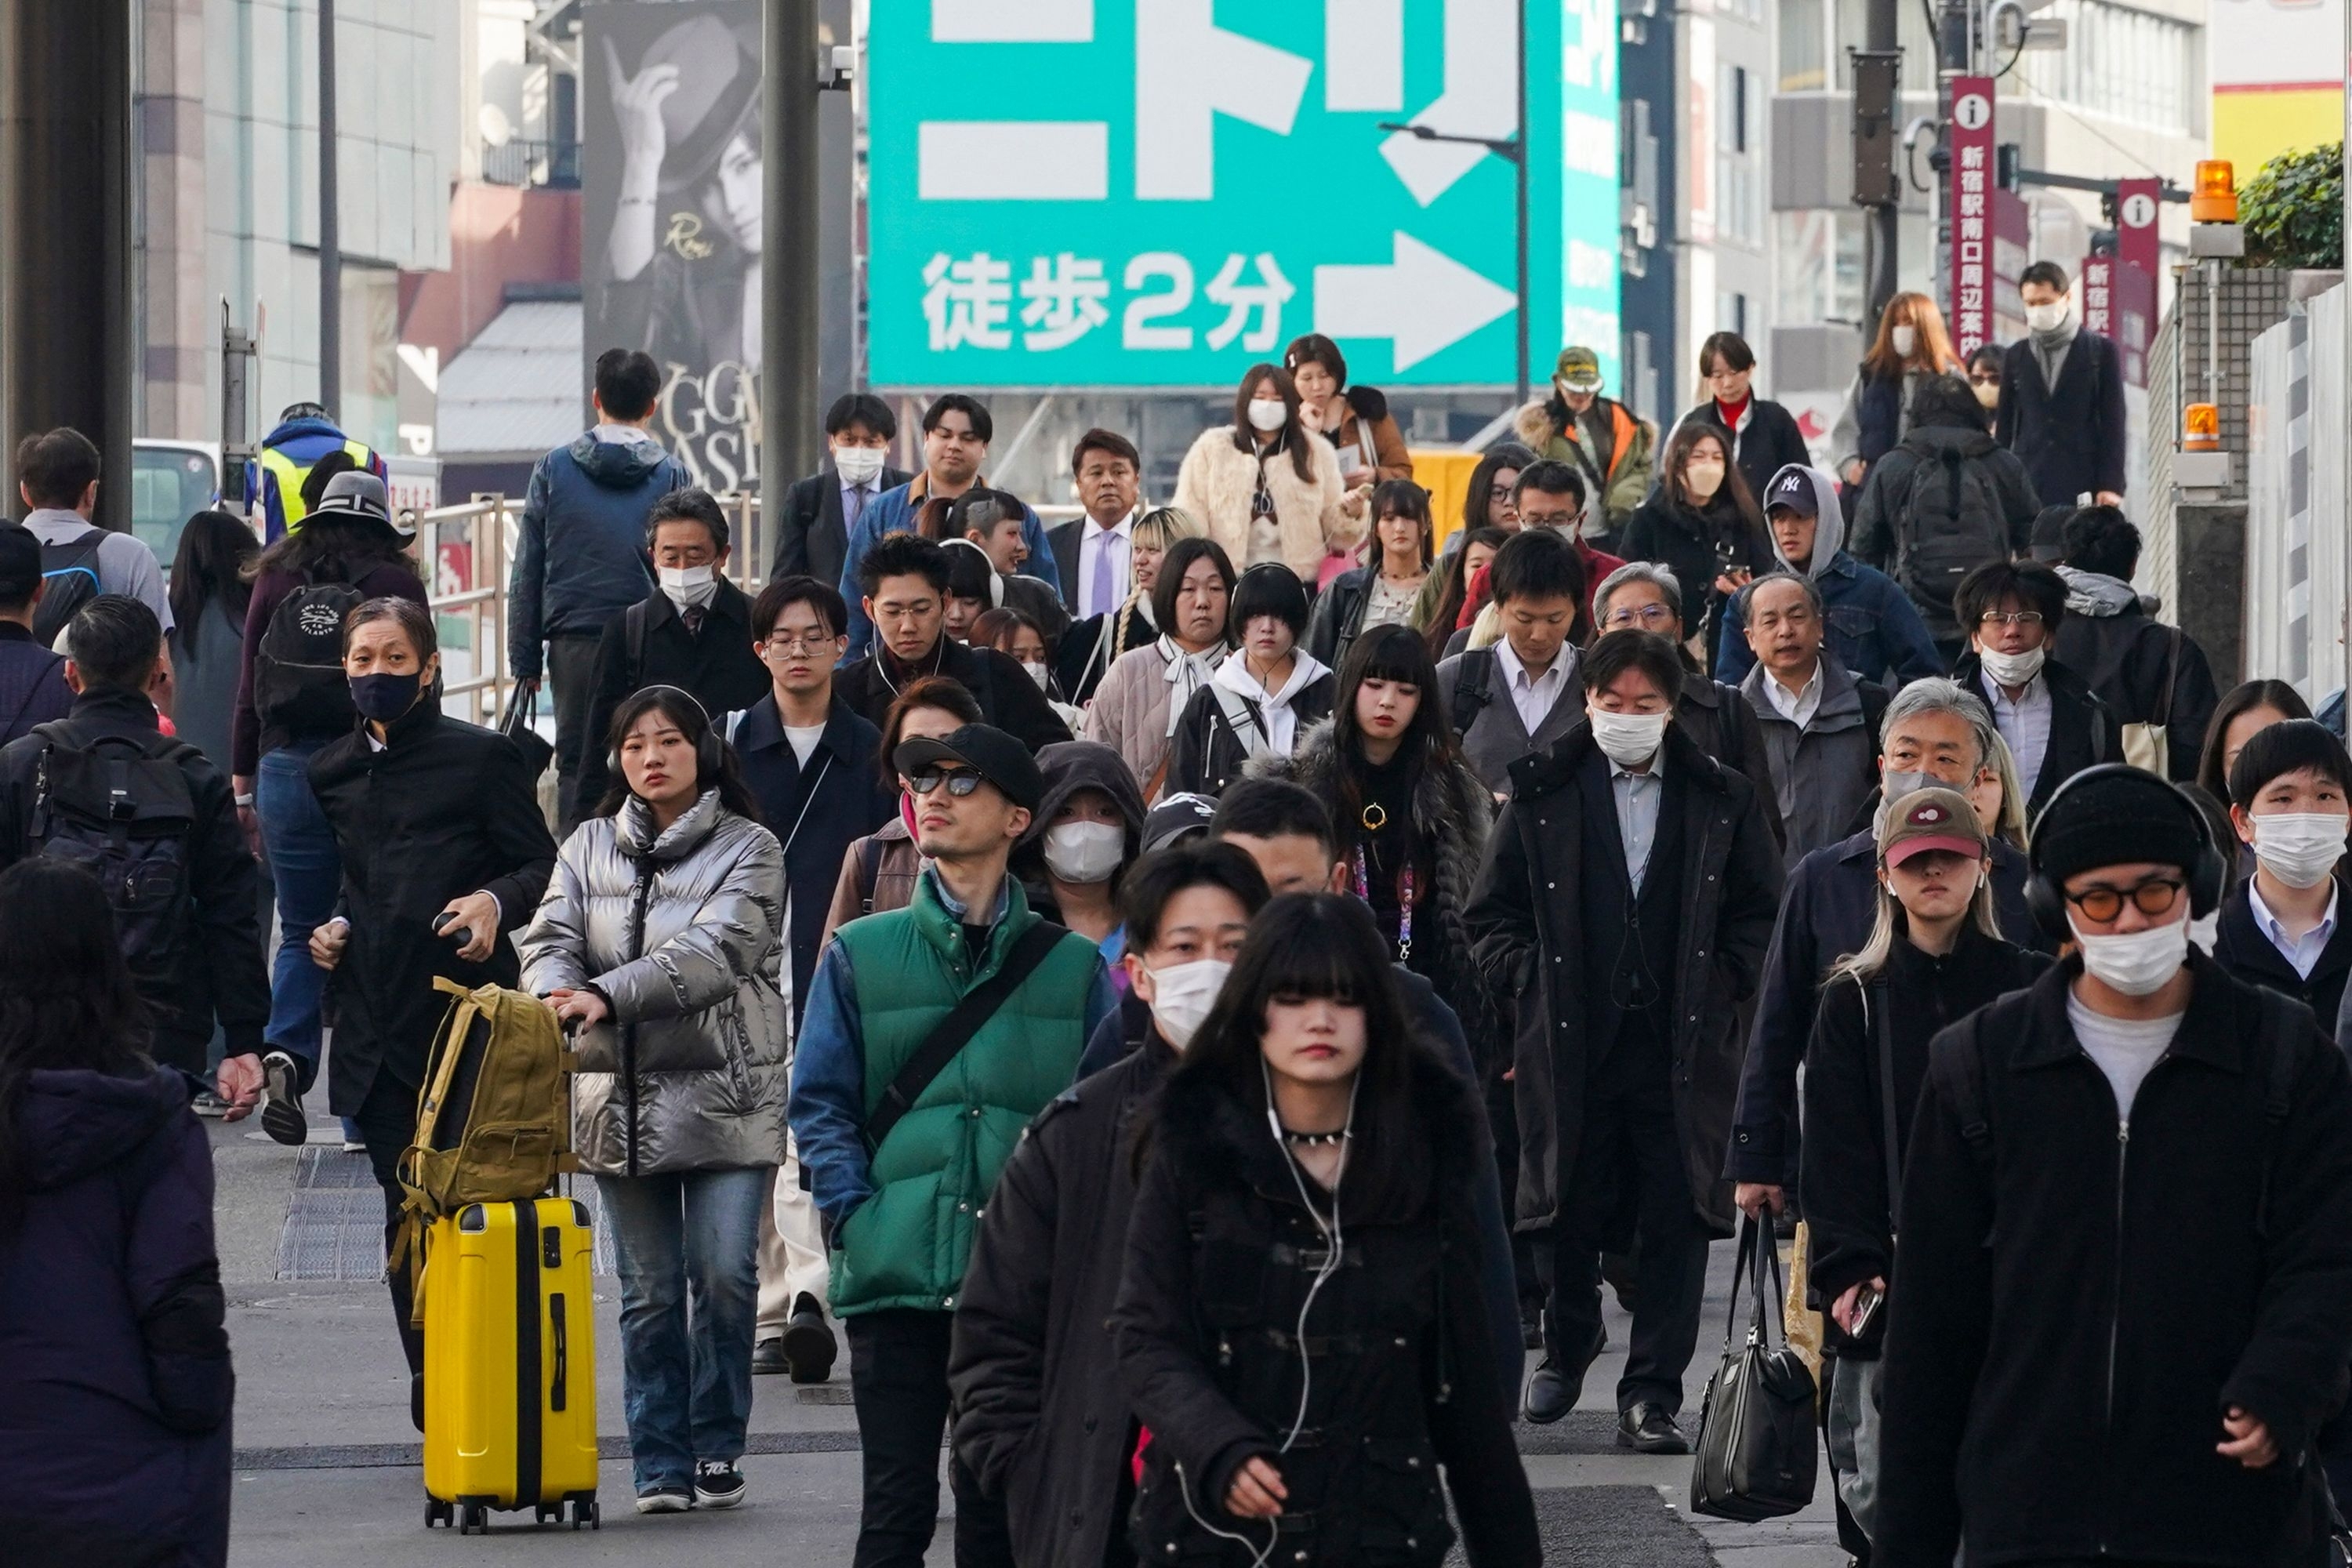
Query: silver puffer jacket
688	1073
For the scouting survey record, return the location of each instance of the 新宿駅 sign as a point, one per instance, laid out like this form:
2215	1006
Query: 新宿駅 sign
1157	193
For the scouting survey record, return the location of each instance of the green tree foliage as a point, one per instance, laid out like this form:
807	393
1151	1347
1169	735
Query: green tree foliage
2292	209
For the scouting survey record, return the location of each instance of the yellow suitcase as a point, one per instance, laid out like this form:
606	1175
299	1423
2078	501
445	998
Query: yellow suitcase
510	1364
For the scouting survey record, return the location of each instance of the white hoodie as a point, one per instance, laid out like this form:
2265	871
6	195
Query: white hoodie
1281	722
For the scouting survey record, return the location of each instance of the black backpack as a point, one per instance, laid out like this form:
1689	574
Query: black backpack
70	571
298	666
1950	524
119	806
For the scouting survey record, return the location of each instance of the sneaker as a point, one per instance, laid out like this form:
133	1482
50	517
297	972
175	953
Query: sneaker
207	1103
664	1500
282	1099
352	1142
717	1484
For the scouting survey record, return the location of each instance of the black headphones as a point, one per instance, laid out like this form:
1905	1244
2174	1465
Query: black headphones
2046	901
707	752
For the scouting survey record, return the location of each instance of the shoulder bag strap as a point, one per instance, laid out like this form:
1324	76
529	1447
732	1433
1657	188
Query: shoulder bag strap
632	629
1472	681
2171	676
1242	719
1883	1016
952	1033
869	873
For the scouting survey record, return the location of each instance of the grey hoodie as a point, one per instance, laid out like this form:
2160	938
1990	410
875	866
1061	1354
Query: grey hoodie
2096	594
1829	531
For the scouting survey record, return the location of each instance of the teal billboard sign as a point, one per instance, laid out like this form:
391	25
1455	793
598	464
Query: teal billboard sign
1157	193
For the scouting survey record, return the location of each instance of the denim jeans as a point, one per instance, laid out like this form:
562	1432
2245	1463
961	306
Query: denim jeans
688	1247
307	870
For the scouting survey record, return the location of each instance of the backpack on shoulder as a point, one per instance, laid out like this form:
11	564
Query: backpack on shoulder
70	572
119	806
1950	524
298	665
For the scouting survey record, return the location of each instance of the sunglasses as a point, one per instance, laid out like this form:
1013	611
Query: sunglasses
2102	904
961	782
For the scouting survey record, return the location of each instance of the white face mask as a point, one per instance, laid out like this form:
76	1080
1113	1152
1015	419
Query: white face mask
1085	851
2046	317
2300	847
688	586
2012	668
858	465
1267	414
1905	339
2139	963
1181	996
1039	672
1628	738
2205	931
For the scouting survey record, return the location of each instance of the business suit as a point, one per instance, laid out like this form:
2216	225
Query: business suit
1065	541
812	536
2070	436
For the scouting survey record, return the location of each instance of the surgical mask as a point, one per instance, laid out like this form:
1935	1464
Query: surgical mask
2138	963
689	587
1628	738
2205	931
2013	669
1039	672
1905	339
2046	317
1893	785
2300	847
1702	480
385	698
1269	414
858	465
1085	851
1988	392
1183	995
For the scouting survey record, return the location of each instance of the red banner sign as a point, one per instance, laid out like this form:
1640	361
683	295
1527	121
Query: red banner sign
2119	304
1970	195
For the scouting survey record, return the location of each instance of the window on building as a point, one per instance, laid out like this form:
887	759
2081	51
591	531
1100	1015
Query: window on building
1911	35
1803	45
1817	267
1738	138
2132	66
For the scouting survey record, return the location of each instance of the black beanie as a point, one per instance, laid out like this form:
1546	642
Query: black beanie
2123	816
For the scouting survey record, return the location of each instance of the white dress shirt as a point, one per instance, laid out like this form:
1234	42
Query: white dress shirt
1799	706
2303	952
2024	724
1638	798
1535	696
1093	540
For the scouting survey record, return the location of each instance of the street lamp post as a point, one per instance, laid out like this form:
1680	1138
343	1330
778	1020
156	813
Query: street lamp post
1513	149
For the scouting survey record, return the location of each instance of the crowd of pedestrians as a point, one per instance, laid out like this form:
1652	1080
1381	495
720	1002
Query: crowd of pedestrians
1193	995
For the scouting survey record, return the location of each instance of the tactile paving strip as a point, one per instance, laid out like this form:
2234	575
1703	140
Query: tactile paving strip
334	1219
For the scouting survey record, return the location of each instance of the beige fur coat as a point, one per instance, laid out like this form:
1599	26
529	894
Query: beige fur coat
1217	480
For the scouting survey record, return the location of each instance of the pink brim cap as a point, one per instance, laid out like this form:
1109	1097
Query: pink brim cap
1967	848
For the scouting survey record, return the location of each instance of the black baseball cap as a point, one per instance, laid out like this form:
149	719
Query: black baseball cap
1793	488
20	564
1177	818
987	750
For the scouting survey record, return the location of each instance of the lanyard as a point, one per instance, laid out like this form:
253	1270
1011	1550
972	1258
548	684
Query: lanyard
1404	901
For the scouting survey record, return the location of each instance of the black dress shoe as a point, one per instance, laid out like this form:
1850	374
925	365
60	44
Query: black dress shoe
1648	1429
1549	1395
768	1356
808	1342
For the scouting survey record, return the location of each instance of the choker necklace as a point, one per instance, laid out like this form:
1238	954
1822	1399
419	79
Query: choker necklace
1315	1139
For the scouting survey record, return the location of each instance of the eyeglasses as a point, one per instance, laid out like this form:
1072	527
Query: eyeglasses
2102	904
1500	492
961	782
1650	617
1990	378
1548	518
1992	618
814	642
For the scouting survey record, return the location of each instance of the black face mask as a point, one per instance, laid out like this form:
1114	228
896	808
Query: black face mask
385	698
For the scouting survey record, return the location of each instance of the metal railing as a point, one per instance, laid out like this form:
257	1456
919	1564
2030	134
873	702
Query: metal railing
523	162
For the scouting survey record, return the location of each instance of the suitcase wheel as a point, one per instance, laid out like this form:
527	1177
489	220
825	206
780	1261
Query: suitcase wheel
584	1511
546	1513
477	1521
437	1512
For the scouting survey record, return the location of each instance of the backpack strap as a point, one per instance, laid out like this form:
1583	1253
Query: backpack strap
869	873
951	1034
1887	1124
1966	1089
1473	688
2282	1062
633	632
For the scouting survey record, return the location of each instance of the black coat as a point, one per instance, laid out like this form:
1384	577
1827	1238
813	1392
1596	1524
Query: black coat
222	976
2240	947
445	809
2084	732
2147	673
1041	1416
716	664
815	813
1527	918
1339	618
1219	1256
1881	516
2077	1309
1914	997
812	536
1008	699
2070	437
1205	755
1695	546
1719	721
1826	913
1769	444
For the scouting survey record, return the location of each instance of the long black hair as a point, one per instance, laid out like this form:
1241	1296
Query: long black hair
1454	587
679	707
2212	776
1394	652
1502	454
1304	946
66	997
210	565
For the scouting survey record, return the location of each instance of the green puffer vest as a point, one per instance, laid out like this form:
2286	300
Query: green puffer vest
908	1245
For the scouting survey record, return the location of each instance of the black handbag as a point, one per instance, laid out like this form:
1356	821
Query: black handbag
516	725
1758	1444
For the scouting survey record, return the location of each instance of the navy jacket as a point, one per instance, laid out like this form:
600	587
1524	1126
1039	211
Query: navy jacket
1826	909
815	813
1873	628
581	555
110	1329
2240	947
2070	437
33	689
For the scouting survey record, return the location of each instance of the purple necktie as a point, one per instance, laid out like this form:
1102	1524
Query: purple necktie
1102	589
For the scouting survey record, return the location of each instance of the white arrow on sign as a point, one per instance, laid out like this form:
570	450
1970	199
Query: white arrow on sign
1478	34
1189	70
1421	301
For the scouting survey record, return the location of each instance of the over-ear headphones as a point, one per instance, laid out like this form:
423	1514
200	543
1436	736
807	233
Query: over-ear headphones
707	752
2046	901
